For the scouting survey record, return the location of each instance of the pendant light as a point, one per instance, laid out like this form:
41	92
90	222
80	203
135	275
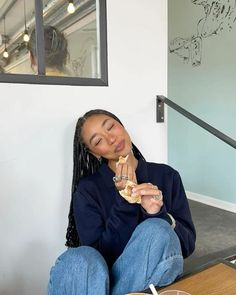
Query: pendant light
71	7
5	52
26	33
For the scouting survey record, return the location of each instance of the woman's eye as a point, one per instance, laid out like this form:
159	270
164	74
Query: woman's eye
97	142
110	127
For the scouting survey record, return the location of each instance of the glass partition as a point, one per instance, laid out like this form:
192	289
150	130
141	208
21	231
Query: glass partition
15	20
65	42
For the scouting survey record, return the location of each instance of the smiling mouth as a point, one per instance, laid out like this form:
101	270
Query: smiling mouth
120	146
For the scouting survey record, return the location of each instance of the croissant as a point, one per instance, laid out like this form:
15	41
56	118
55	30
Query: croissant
127	191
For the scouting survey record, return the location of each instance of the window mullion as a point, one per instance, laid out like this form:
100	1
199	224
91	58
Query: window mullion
40	36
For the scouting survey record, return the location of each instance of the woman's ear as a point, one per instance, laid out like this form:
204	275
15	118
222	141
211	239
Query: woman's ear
92	153
96	155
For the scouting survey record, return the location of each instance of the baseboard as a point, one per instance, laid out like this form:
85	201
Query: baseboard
228	206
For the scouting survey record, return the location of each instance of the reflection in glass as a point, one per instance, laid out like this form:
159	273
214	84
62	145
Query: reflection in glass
80	31
83	51
56	54
19	17
75	36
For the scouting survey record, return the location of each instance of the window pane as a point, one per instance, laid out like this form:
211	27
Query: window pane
71	39
84	52
16	18
71	45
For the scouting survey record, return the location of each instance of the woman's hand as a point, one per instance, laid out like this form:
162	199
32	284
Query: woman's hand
124	172
151	197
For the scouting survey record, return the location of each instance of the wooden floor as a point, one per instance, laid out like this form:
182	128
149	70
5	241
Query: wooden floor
218	279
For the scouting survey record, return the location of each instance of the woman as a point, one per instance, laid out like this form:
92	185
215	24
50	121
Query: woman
124	247
56	52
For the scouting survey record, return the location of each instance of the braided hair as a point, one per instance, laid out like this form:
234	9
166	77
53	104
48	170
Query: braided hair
85	164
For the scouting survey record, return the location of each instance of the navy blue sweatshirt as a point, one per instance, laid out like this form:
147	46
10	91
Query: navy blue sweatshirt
106	221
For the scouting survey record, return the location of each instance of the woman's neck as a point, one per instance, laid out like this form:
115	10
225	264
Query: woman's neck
52	71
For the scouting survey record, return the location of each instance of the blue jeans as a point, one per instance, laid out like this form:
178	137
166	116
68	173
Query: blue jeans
152	255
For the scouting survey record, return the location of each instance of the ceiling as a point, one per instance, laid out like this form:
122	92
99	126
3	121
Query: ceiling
14	14
54	13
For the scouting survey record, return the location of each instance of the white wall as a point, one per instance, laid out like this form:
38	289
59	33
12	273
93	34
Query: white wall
37	124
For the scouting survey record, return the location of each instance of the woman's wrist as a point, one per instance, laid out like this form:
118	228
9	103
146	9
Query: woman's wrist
162	214
153	211
157	212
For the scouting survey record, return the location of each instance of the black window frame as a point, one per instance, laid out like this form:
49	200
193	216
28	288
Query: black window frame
41	78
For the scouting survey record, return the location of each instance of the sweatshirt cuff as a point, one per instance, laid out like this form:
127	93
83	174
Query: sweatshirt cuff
161	214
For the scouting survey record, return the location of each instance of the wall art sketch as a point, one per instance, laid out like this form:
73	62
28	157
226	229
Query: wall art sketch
219	16
85	64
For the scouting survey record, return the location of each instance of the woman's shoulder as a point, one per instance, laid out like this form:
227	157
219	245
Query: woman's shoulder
87	187
163	172
92	181
89	180
161	168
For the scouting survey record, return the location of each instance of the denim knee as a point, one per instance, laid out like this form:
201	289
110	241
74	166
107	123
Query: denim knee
82	255
158	230
78	271
154	225
159	259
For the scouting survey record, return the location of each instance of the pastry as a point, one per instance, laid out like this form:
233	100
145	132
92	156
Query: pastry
127	191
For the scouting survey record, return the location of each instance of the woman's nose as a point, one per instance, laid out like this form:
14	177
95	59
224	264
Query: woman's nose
111	139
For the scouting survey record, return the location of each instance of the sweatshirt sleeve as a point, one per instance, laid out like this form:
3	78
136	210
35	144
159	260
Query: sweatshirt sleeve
180	210
108	235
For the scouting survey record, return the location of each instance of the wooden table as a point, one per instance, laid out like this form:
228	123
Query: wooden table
217	279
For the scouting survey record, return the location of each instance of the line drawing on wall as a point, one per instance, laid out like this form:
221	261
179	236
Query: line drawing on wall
220	16
84	65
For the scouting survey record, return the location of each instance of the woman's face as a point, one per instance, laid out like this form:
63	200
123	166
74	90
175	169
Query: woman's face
105	137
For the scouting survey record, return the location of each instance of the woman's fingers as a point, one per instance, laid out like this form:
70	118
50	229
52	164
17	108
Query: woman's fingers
151	205
151	197
146	189
131	174
124	172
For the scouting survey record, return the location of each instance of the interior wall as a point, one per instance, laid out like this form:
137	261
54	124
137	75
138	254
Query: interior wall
201	78
37	125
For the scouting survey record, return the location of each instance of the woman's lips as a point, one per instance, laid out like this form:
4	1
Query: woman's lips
120	146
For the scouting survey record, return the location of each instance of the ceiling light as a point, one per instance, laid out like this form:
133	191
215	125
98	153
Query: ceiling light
26	34
71	7
5	53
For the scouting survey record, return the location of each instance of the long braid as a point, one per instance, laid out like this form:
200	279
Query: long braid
84	164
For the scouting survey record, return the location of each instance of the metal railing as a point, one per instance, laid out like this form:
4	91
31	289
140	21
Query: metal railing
160	118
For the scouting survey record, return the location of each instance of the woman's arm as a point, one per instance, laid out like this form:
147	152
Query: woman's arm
175	203
107	232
